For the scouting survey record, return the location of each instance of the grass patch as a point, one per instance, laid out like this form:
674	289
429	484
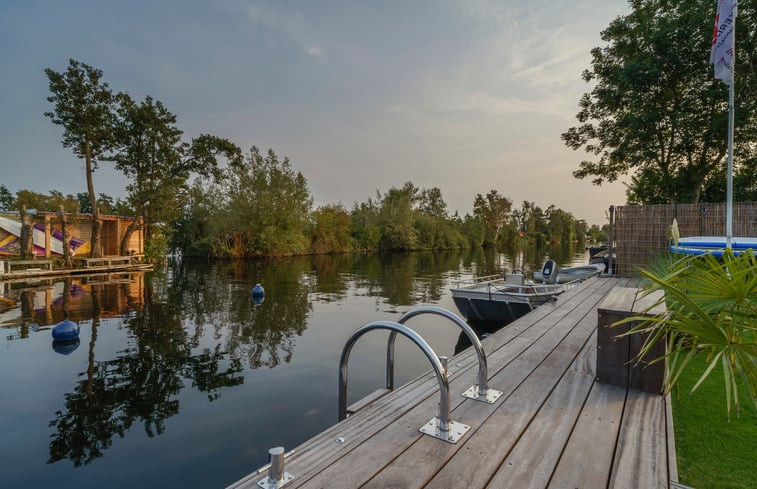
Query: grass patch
713	452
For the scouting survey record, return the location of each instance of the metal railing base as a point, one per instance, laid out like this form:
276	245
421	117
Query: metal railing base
489	396
269	483
452	435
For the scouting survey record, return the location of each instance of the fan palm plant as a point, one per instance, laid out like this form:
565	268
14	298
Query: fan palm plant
711	310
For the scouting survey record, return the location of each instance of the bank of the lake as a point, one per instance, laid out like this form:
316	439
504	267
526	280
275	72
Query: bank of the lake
180	379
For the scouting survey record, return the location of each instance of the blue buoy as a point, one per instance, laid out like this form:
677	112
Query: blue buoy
65	347
258	291
65	330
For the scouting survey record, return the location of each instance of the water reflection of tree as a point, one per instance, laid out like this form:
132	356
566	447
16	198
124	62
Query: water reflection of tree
406	278
328	281
139	386
219	296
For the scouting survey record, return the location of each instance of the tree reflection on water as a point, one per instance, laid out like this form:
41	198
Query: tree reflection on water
163	354
194	325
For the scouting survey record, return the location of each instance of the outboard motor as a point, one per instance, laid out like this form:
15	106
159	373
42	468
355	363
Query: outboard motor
549	272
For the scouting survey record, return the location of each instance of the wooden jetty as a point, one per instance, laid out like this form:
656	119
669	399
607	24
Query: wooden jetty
555	426
12	270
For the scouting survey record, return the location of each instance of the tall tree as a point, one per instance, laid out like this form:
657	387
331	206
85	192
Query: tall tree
655	111
84	106
397	219
494	212
266	206
149	150
7	202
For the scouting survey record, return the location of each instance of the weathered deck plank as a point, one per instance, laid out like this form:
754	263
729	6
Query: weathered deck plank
596	430
641	453
553	427
506	426
321	453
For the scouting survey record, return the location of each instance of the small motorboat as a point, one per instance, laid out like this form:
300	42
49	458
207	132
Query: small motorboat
498	301
568	275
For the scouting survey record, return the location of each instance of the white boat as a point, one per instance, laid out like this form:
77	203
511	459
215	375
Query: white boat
567	275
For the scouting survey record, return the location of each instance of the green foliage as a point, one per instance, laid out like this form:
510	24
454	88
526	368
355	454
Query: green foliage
396	219
656	112
105	203
598	234
330	228
258	206
7	202
711	312
42	202
196	230
151	153
493	211
84	106
366	233
156	248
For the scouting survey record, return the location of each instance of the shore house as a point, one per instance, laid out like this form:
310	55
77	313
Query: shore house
48	235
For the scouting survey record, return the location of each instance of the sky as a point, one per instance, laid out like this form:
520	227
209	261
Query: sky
464	95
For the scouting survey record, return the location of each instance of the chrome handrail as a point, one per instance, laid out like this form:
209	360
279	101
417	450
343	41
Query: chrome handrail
441	373
480	390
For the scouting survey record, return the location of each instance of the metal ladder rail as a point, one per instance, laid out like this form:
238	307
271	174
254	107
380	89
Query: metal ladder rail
439	427
480	391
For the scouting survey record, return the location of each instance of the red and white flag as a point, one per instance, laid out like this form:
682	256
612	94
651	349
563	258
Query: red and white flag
723	52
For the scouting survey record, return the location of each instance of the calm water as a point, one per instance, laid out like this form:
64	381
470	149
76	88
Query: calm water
179	379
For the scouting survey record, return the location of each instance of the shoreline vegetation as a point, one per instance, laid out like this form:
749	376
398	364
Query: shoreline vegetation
260	207
205	197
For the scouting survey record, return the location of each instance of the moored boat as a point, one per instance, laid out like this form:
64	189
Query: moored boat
567	275
497	300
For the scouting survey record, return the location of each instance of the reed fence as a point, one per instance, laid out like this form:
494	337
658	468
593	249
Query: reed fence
642	232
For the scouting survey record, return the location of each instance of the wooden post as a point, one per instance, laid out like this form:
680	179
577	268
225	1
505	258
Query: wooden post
610	265
66	238
47	236
27	235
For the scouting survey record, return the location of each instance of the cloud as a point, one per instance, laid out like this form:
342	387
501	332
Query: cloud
285	25
315	51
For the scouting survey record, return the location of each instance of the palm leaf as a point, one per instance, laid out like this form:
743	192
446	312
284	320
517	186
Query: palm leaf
711	309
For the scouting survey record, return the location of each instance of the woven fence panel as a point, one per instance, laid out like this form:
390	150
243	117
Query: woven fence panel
641	232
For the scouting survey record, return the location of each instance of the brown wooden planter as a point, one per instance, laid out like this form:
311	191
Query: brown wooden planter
616	356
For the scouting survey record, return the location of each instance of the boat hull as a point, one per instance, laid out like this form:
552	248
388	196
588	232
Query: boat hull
497	303
495	313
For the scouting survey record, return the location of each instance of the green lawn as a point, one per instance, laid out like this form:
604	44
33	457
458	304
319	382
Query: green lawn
712	451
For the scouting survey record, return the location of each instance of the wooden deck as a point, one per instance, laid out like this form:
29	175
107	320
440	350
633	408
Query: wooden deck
555	426
17	270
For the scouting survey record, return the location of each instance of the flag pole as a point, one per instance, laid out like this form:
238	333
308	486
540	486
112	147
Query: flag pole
729	190
723	58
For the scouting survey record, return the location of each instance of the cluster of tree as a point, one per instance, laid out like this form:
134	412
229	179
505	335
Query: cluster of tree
657	113
254	205
141	138
501	224
260	206
53	201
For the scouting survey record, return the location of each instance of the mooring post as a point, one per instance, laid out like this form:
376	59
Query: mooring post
277	477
